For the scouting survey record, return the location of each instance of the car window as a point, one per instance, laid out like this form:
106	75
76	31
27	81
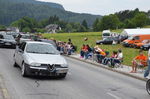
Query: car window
9	37
41	48
136	38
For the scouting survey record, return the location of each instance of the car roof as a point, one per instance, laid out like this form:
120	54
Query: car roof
36	42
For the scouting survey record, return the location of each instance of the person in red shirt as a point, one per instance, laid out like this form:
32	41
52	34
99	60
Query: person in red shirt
82	51
141	59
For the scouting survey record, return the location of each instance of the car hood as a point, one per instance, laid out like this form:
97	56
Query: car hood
45	58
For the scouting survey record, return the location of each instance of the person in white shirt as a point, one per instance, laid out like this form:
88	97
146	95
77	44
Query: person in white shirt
148	69
119	58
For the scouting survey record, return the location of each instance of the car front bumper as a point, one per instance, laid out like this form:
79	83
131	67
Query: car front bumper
44	71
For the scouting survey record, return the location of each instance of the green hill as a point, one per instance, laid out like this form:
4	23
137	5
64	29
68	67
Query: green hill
12	10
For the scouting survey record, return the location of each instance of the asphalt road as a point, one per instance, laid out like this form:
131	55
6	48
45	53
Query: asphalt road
84	81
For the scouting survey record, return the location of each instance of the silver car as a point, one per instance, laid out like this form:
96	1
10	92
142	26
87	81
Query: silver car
39	58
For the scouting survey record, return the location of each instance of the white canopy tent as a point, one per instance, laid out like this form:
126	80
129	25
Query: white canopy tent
131	32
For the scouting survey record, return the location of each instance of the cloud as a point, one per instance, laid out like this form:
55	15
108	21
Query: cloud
102	7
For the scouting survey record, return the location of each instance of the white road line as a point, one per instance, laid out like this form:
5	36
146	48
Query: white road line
114	96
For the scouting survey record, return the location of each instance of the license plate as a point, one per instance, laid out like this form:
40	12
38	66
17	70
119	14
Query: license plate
7	44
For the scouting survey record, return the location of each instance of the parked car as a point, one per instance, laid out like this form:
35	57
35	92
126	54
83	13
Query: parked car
145	47
138	45
148	86
7	41
135	39
49	41
40	58
108	40
106	34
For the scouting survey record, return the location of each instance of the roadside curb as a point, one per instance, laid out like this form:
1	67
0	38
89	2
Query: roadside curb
108	68
3	89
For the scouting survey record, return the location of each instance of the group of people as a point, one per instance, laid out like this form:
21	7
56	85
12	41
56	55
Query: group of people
102	56
66	47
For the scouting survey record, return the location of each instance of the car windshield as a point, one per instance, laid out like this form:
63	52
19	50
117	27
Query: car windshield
26	36
9	37
41	49
130	38
106	34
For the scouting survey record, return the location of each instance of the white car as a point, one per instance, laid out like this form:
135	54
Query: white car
39	58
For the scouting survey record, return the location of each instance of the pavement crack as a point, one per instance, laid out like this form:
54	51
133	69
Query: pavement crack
37	83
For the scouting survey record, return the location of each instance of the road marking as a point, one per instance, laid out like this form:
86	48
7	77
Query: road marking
114	96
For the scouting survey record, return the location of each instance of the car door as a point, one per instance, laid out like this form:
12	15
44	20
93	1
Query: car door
19	53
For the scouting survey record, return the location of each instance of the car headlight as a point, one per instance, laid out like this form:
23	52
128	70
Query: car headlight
64	65
35	64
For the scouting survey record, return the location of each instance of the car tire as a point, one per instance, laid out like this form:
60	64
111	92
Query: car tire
24	70
148	86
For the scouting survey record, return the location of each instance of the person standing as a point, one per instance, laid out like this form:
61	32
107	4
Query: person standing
148	69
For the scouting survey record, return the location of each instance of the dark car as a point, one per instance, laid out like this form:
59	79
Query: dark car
145	47
7	41
49	41
108	40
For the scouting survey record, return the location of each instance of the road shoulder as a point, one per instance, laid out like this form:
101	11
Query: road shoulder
136	76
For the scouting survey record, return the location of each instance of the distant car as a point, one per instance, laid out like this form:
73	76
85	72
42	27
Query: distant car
49	41
40	58
145	47
108	40
24	37
7	41
138	45
148	86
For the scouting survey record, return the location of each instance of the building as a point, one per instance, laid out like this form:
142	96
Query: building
52	28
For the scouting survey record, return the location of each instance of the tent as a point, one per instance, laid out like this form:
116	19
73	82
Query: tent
131	32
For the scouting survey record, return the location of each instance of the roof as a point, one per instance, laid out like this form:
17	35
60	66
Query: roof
37	42
131	32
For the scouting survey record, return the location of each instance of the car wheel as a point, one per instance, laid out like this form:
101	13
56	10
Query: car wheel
23	70
148	86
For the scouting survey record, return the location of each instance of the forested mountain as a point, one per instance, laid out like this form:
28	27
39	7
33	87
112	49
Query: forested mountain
12	10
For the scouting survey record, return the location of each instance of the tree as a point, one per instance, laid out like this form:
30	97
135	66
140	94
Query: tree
84	23
109	22
140	20
69	28
129	24
2	27
96	26
26	29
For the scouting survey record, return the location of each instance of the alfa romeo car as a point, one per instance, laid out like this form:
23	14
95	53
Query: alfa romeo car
40	58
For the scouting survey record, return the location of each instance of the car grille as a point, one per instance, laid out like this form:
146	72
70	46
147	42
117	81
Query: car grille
51	67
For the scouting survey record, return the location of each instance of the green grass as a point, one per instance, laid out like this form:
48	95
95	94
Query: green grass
78	40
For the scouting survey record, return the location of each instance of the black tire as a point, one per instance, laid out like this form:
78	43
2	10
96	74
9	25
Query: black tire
24	70
148	86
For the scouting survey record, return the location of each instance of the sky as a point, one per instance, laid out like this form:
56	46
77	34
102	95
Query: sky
102	7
